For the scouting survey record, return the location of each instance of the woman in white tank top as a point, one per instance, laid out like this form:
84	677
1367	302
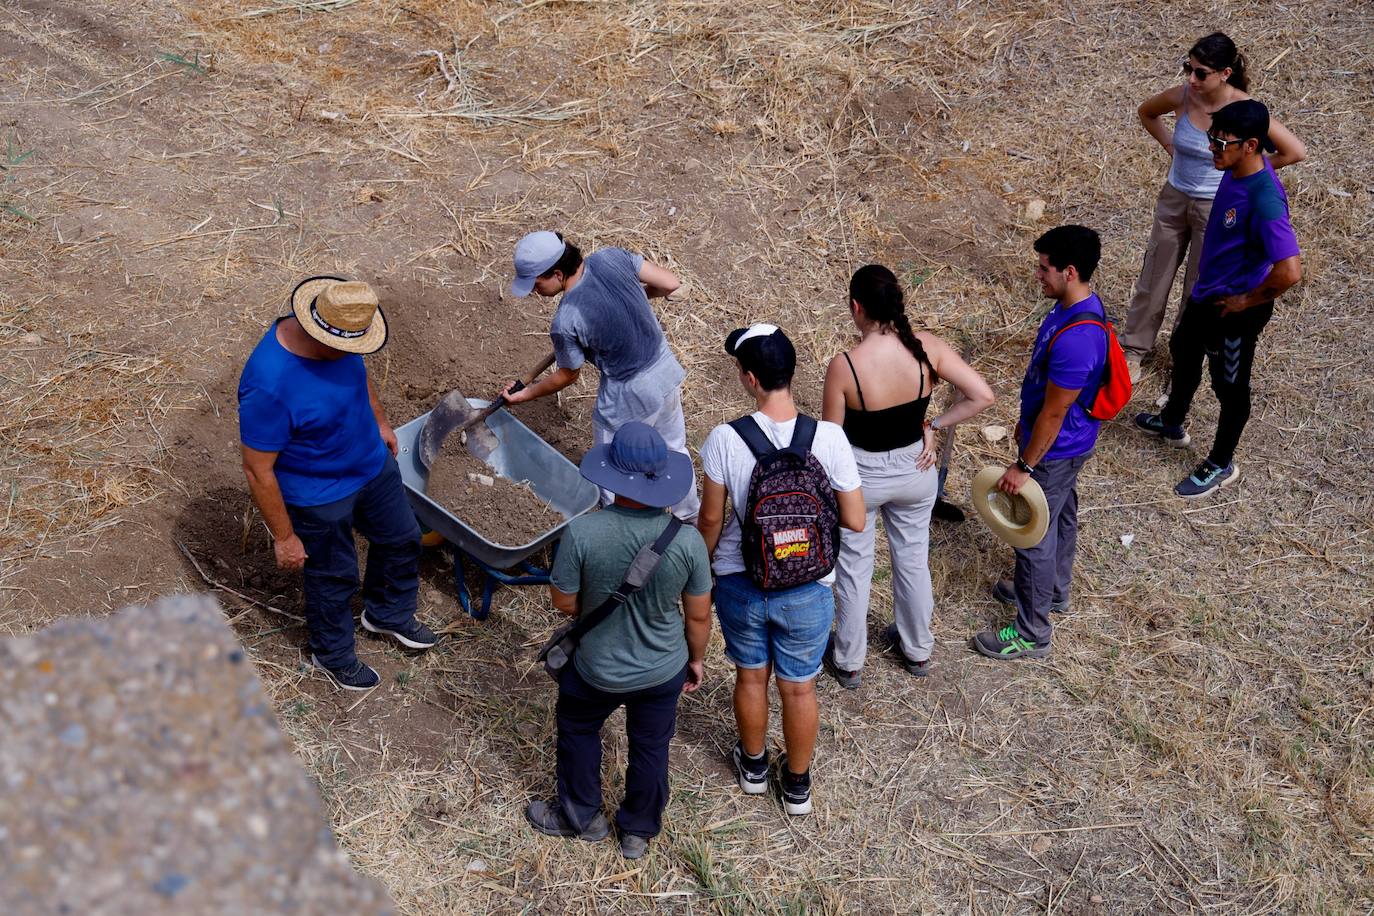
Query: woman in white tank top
1215	77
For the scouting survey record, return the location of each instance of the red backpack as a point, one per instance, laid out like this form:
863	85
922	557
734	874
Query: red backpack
1114	388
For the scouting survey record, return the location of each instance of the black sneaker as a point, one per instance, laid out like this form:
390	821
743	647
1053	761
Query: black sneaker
796	789
849	680
1153	424
1007	643
355	676
548	818
412	634
946	512
894	642
1005	592
751	772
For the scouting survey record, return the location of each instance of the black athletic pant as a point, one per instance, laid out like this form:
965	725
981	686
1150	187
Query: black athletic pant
1229	346
650	720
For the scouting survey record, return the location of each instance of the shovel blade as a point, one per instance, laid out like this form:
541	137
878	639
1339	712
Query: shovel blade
481	441
452	411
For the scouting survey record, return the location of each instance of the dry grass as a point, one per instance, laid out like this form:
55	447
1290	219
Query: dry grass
1201	740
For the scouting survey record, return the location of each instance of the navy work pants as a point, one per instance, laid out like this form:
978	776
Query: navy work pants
650	721
380	512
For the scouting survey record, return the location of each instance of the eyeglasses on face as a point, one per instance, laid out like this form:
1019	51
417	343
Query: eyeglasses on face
1200	72
1219	143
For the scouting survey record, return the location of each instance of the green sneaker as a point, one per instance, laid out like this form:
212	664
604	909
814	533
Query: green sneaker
1007	643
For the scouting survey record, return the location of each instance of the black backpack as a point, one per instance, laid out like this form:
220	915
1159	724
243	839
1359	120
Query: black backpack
790	530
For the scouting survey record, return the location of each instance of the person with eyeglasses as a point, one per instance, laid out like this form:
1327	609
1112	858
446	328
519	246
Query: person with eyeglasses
1250	257
1215	76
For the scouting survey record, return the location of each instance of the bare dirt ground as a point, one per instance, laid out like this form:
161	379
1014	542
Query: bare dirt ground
1201	738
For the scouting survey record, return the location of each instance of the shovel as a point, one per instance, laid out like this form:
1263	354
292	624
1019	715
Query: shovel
453	414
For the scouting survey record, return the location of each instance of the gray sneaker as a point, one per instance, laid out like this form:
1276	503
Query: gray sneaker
1005	592
548	818
894	641
633	847
849	680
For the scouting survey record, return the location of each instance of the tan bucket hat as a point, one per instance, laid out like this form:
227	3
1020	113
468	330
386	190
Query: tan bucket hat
340	313
1020	520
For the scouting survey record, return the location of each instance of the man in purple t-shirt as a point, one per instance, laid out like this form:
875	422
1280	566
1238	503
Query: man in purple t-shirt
1250	257
1054	437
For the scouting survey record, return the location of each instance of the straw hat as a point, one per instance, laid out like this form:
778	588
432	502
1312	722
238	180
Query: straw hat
340	313
1020	520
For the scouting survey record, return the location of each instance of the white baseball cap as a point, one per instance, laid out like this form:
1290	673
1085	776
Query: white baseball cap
535	254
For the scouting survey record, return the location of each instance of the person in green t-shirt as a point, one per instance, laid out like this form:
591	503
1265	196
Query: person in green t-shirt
643	656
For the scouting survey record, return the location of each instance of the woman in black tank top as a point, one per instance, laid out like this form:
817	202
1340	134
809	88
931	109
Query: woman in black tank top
879	392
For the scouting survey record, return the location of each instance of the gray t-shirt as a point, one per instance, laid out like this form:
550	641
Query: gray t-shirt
642	644
606	320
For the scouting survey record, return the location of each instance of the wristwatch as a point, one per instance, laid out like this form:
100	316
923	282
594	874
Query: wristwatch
934	424
1023	467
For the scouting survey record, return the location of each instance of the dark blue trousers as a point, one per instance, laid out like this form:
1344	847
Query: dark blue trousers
1045	572
380	512
650	721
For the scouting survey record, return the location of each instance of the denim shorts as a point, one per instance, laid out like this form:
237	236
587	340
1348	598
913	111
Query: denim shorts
787	628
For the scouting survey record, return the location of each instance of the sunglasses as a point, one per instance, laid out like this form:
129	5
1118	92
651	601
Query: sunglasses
1218	144
1199	72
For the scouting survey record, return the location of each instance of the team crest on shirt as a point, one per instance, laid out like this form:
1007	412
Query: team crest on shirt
1230	218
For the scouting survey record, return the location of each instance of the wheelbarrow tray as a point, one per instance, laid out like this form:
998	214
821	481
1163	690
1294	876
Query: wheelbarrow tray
522	455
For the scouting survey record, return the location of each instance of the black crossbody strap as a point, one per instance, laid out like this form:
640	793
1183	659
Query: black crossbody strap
641	568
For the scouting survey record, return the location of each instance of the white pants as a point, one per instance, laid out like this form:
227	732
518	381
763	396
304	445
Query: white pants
891	485
669	423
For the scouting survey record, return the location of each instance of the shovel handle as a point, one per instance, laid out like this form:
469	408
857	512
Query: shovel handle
500	401
529	376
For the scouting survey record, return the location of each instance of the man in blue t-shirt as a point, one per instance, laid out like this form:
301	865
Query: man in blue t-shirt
604	318
319	457
1054	436
1250	257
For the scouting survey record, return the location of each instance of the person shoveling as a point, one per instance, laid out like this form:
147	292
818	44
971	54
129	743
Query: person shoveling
604	317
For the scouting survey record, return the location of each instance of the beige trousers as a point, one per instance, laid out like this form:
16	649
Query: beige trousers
904	496
1180	222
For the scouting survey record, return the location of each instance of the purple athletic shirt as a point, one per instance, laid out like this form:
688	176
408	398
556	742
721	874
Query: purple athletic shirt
1247	233
1075	361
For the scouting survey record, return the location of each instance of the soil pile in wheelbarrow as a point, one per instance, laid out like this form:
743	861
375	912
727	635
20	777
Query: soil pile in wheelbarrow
501	511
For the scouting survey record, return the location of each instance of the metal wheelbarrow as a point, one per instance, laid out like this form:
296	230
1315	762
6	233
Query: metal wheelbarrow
521	455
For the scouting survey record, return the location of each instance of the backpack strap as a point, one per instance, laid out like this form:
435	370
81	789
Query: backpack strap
749	430
803	435
1106	363
1070	327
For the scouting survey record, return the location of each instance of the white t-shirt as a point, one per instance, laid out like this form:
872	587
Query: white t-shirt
726	459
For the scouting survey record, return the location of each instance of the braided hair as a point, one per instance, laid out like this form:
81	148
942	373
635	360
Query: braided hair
876	288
